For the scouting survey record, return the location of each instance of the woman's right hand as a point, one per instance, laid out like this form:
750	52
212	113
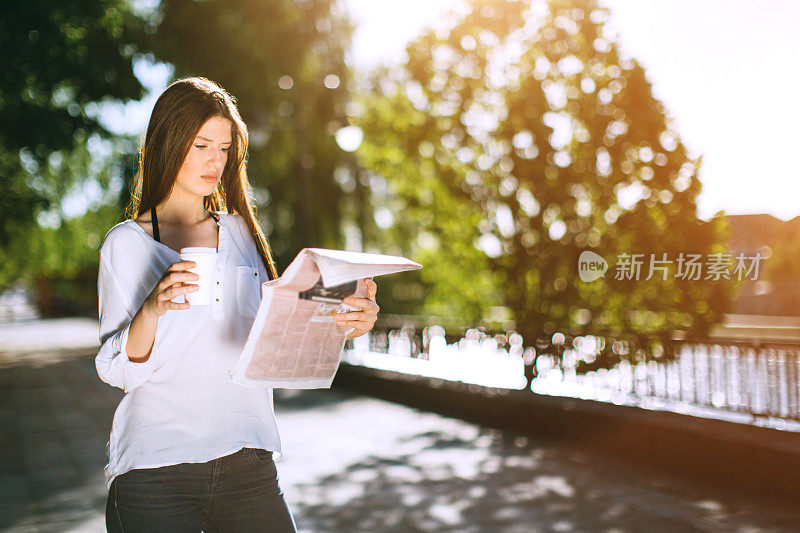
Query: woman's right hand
173	282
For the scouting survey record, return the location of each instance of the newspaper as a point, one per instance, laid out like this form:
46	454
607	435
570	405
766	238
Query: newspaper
295	342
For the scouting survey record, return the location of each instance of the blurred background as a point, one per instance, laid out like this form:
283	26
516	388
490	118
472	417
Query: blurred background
493	141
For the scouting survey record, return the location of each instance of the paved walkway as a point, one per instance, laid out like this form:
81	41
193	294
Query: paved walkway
351	464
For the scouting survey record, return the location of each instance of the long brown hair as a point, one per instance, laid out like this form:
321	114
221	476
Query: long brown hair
178	115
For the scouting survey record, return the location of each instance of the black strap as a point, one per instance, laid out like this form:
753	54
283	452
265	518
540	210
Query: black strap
154	218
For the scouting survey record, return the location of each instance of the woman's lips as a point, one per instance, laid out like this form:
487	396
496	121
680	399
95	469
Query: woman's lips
210	177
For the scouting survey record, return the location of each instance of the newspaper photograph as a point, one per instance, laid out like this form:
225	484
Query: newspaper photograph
295	342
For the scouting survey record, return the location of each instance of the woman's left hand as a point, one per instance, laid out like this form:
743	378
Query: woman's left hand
362	320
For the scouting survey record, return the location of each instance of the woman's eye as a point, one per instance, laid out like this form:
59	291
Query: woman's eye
203	147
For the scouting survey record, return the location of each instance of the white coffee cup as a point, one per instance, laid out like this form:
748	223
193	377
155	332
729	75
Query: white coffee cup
205	264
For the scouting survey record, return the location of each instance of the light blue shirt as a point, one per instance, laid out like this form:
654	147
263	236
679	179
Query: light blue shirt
180	406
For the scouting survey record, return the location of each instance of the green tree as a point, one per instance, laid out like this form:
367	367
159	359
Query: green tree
60	60
516	139
284	62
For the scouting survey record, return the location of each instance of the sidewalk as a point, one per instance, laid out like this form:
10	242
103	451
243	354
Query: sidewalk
351	463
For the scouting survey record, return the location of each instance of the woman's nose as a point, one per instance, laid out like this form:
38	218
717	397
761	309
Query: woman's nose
217	158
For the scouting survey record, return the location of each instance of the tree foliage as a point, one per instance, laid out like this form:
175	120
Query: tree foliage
59	60
518	137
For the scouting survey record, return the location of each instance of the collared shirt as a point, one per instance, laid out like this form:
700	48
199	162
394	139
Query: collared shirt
180	406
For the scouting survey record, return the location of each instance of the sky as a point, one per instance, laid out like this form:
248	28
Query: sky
725	69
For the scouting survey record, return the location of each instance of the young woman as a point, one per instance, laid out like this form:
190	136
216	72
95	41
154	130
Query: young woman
190	449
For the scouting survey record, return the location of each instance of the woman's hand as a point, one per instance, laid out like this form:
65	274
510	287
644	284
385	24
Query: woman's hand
362	320
173	282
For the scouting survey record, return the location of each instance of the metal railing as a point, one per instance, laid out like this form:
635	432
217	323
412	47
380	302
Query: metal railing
761	380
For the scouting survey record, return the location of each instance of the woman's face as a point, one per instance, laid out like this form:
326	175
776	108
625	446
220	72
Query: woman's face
208	153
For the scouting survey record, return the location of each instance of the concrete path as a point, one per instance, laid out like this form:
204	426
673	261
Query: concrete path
351	464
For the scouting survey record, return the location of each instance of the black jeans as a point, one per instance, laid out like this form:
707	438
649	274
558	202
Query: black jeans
238	492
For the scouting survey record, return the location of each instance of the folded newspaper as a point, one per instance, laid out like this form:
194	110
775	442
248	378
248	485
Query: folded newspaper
295	342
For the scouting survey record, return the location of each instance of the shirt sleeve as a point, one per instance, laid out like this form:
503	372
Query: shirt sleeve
116	314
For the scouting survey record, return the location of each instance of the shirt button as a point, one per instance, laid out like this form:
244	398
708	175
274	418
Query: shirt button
255	274
218	283
217	299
